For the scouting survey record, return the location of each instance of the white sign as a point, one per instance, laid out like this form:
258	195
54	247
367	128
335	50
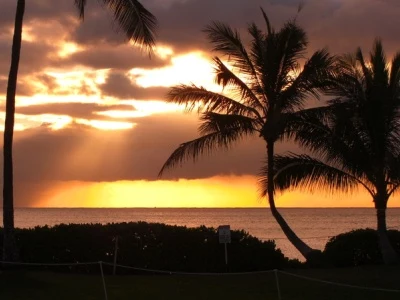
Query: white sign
224	232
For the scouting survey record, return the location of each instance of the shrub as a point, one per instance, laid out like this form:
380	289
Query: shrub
153	246
358	247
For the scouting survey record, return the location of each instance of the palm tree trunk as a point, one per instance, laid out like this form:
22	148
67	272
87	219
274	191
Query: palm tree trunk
302	247
10	252
389	255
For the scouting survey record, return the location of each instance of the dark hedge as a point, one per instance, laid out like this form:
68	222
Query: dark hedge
358	247
153	246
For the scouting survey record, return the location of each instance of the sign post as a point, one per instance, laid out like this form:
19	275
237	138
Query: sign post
224	234
115	255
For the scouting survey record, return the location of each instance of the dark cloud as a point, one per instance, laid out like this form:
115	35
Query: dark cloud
98	28
34	57
82	153
339	24
38	10
356	22
120	86
120	57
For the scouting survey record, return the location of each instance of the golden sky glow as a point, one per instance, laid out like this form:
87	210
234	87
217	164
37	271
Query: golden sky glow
68	49
106	125
194	67
221	191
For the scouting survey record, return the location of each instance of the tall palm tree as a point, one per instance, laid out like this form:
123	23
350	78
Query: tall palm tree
139	26
355	140
262	86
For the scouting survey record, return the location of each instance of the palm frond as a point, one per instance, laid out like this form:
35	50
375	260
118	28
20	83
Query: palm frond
194	97
267	22
329	133
314	78
80	5
379	66
135	20
223	137
395	78
277	57
214	122
258	57
138	24
393	168
348	83
394	188
303	171
292	45
367	73
225	77
228	42
300	120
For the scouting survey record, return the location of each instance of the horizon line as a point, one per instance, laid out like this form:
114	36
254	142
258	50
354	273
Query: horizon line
192	207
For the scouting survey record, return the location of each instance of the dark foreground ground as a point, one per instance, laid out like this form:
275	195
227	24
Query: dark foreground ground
43	285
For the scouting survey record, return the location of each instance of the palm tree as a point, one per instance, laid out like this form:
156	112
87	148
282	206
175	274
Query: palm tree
139	26
355	140
262	86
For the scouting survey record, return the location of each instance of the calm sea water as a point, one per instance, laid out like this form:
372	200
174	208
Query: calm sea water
315	225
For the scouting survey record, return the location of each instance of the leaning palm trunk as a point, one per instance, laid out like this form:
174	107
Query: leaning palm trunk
261	105
10	252
389	255
302	247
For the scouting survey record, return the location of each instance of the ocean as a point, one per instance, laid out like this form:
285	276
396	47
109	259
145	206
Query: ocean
314	225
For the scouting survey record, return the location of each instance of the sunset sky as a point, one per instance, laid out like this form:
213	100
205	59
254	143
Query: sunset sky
91	125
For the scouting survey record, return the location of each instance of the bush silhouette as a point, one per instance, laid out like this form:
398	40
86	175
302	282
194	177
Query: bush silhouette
358	247
153	246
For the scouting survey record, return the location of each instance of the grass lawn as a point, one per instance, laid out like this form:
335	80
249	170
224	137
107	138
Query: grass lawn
15	285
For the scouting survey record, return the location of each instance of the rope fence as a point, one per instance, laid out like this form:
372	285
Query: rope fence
190	273
341	284
166	272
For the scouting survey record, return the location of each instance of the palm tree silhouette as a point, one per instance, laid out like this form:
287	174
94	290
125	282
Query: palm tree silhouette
355	140
263	86
139	26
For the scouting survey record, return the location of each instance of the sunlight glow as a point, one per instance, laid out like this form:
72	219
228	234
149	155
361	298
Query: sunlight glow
48	99
142	109
68	49
55	122
122	114
163	52
79	82
27	35
52	121
105	125
193	67
17	127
